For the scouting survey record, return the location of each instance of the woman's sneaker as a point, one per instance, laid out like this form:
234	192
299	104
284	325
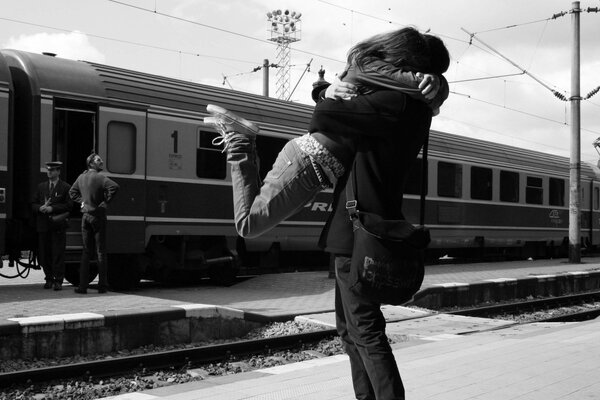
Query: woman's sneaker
231	121
228	123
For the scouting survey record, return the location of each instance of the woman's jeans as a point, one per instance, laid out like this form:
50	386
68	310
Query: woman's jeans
289	186
361	325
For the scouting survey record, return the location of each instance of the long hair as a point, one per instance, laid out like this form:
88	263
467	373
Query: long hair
405	48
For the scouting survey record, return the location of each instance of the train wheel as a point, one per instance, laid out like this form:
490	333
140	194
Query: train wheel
72	273
124	271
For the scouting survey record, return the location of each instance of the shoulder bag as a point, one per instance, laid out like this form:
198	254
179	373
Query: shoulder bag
388	256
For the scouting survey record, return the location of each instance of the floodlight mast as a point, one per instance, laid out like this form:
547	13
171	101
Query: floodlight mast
284	28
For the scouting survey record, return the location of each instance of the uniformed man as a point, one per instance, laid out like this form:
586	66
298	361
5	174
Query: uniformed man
51	206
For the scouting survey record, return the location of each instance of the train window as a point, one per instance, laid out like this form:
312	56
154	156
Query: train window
268	149
449	179
120	152
413	181
534	192
509	186
557	192
481	183
210	161
596	198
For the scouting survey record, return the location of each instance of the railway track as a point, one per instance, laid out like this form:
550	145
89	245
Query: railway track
529	306
188	358
164	359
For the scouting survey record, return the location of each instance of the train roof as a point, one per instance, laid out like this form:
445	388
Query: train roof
81	78
65	76
465	149
53	74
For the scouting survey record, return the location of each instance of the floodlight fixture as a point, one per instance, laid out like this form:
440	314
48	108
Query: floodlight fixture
284	29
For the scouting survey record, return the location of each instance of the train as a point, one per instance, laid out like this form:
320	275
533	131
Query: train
173	213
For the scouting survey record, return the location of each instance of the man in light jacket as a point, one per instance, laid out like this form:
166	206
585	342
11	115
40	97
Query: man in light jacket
94	192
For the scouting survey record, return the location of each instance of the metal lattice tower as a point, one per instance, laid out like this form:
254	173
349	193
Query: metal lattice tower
284	27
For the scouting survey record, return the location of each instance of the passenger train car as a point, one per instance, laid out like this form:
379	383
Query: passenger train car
174	210
488	198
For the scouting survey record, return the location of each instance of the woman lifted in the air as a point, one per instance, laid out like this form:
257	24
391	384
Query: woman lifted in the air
402	61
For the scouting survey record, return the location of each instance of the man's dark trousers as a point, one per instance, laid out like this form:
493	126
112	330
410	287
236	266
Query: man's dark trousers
374	371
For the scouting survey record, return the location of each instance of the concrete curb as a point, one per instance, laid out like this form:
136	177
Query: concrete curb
470	294
103	332
65	335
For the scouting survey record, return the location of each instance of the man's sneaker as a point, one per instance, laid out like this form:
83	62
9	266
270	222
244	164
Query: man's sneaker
48	285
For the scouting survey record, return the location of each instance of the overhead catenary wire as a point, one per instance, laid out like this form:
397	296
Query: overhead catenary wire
554	92
264	41
301	76
204	55
486	77
468	96
129	42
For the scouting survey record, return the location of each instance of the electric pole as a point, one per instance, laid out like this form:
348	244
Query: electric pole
575	161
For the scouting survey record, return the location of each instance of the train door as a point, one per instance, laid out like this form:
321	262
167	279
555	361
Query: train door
122	145
74	137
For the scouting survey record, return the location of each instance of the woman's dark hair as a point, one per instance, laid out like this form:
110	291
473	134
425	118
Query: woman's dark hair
404	48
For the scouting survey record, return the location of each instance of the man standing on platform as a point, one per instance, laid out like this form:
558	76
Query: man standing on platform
94	191
51	206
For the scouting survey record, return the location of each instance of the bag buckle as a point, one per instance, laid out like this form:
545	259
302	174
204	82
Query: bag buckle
351	208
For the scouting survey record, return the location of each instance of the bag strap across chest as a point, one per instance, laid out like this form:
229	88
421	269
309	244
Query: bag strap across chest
352	201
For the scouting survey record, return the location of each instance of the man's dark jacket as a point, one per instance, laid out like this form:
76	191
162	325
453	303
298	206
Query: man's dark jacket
59	200
382	165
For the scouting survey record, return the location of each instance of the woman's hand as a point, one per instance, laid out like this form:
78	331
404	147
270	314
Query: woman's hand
429	85
341	90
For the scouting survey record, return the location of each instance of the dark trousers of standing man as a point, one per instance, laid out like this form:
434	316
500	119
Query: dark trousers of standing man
51	254
361	325
93	232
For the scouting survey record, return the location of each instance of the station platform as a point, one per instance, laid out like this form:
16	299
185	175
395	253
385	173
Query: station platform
276	296
440	356
474	360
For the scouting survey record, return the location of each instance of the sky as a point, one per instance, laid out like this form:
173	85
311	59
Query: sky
501	78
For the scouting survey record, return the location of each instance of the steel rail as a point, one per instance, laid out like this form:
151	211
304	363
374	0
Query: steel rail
164	359
527	305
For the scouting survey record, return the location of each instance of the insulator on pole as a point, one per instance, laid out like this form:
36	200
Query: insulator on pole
559	95
593	92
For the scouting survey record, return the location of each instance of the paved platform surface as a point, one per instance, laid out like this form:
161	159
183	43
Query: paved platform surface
269	295
475	359
440	356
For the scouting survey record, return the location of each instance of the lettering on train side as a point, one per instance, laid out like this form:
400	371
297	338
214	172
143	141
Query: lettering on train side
319	206
175	161
555	217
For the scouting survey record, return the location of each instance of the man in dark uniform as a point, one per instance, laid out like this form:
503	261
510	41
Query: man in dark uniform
51	205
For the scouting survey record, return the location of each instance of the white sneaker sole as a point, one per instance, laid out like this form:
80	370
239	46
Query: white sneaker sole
225	117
